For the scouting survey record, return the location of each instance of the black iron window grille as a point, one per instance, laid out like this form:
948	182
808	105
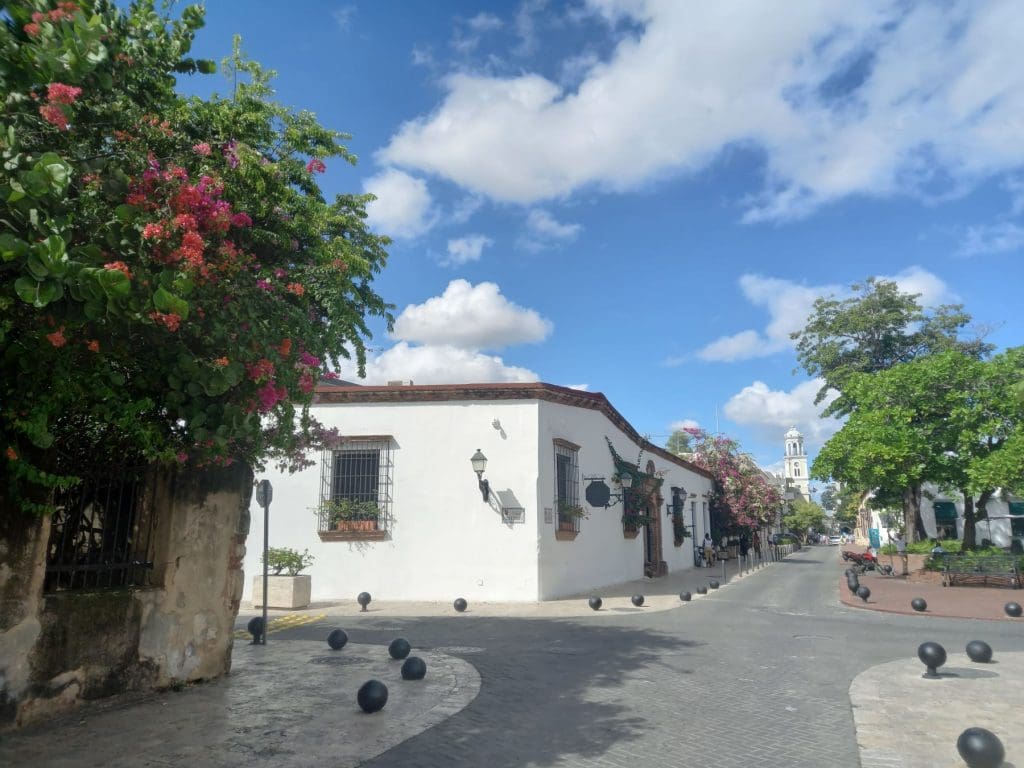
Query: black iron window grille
567	488
356	486
100	534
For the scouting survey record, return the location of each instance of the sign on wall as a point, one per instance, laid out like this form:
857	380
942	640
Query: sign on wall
549	517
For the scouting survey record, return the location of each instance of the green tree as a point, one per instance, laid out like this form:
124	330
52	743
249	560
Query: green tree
173	284
876	328
830	498
804	516
680	443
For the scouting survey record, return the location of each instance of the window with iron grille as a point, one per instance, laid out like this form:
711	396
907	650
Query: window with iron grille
567	486
100	533
355	497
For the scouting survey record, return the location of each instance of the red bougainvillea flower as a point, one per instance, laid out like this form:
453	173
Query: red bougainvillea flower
221	362
171	321
32	30
11	454
94	346
57	338
59	93
152	231
307	359
120	266
331	375
297	288
316	165
54	115
270	395
202	148
241	220
260	370
186	221
285	347
306	382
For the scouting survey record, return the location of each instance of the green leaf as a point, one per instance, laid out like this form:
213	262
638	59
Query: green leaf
27	289
114	283
59	172
126	213
165	301
12	247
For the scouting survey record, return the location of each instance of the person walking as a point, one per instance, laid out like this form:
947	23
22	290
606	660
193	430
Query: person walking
709	550
901	550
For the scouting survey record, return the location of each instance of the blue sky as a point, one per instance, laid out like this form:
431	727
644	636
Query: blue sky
643	197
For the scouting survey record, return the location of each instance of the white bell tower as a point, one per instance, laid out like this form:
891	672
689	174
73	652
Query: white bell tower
796	463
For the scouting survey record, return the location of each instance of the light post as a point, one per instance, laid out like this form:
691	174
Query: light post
264	495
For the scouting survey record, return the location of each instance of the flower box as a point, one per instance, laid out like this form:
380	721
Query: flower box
356	525
287	592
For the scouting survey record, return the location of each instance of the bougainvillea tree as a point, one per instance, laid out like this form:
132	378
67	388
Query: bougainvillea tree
173	284
741	496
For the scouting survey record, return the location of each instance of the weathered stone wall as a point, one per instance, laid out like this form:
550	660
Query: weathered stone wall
61	648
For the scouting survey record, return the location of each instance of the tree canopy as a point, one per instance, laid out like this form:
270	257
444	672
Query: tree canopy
173	283
804	516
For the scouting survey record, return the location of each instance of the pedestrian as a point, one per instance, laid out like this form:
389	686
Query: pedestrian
709	550
744	545
937	548
901	550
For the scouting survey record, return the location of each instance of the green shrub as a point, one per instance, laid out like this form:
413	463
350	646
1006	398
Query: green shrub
952	546
290	560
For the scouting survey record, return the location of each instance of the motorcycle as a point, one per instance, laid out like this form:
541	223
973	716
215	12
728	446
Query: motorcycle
866	561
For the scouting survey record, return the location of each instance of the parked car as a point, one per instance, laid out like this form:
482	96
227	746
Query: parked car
834	539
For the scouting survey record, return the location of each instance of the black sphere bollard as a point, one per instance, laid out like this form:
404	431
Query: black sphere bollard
713	584
255	628
853	584
685	596
399	648
460	604
933	656
372	696
919	604
702	590
337	639
363	599
979	651
863	593
595	603
414	668
1013	610
637	600
849	572
980	748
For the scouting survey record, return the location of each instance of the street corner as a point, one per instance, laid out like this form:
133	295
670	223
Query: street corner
905	720
295	701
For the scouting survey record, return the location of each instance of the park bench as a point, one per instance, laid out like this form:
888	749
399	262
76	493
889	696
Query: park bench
970	567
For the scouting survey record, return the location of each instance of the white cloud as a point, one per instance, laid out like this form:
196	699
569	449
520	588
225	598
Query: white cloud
581	387
771	411
838	98
438	364
463	250
542	223
484	22
403	208
472	318
343	16
789	305
675	426
1005	237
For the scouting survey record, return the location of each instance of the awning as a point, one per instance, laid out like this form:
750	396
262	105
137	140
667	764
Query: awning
1017	507
945	511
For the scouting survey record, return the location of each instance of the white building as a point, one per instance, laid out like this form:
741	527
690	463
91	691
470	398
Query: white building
407	453
796	464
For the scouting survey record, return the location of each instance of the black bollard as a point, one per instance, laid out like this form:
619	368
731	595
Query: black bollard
863	593
1013	610
363	599
980	748
255	628
713	584
460	604
979	651
595	603
399	648
337	639
685	596
933	656
702	590
372	696
414	668
637	600
919	604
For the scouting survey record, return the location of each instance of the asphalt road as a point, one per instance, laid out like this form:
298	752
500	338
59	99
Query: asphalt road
756	674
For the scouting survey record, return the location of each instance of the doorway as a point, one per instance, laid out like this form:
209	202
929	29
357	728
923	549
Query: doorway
654	565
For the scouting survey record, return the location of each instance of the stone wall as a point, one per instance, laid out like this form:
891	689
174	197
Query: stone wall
61	648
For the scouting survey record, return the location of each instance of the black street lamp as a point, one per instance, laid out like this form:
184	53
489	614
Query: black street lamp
479	462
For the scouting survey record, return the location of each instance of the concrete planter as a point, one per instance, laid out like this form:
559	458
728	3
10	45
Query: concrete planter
288	592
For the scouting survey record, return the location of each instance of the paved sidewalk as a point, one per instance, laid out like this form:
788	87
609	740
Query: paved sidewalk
290	705
660	594
892	594
906	721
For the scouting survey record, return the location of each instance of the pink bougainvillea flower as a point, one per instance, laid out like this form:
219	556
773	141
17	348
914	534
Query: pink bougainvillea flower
307	359
120	266
202	148
270	395
306	382
297	288
264	284
241	220
59	93
186	221
57	338
182	457
331	375
316	165
260	370
280	273
33	29
54	115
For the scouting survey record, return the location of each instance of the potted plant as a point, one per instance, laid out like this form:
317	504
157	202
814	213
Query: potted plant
632	522
287	587
568	515
344	514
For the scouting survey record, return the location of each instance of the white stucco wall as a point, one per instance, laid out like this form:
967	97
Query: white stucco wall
600	555
445	541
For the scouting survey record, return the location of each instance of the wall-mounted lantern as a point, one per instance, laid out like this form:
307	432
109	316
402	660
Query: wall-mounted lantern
479	462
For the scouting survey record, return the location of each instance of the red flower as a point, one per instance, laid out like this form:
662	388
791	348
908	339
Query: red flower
54	115
152	231
57	338
94	346
185	221
221	362
241	220
59	93
285	348
120	266
202	148
11	453
170	321
297	288
32	30
316	165
260	370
